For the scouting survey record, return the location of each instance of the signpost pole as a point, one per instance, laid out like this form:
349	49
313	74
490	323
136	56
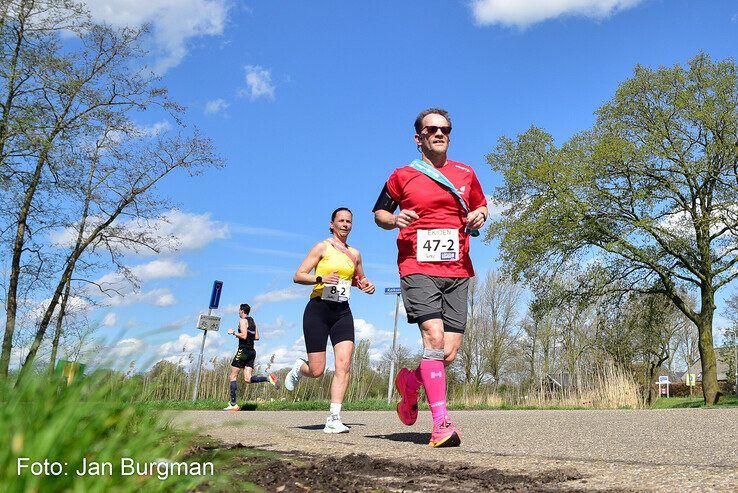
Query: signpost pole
214	302
393	355
199	364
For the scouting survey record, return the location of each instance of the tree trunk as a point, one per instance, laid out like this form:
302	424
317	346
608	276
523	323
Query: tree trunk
44	324
11	306
710	388
58	331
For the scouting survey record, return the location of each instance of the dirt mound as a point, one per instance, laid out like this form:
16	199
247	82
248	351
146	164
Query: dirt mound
362	473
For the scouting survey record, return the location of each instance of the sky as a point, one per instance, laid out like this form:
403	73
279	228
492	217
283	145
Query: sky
312	106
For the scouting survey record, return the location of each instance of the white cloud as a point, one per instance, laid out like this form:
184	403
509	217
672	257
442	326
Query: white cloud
126	348
291	293
175	230
215	106
188	342
156	128
187	231
161	297
401	313
285	357
75	305
259	82
124	291
229	309
365	330
160	269
164	298
192	231
173	22
268	330
110	320
525	13
185	350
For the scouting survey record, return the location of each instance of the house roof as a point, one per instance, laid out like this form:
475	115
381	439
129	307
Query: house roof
722	368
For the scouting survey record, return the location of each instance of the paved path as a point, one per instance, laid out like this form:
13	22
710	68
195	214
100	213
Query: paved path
667	450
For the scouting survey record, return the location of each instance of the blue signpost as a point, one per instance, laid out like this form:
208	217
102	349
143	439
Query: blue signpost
214	302
215	295
397	292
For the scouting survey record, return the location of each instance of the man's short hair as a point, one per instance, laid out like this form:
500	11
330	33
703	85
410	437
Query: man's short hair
245	308
430	111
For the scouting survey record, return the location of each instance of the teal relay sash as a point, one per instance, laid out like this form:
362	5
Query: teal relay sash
439	178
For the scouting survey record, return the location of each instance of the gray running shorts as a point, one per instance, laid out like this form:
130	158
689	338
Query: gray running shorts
429	297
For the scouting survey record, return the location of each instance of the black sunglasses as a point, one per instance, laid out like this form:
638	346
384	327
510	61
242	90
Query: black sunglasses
432	129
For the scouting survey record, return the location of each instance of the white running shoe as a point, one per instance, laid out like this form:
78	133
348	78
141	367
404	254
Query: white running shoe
333	425
290	381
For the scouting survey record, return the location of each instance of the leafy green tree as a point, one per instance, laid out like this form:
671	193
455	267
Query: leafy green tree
646	198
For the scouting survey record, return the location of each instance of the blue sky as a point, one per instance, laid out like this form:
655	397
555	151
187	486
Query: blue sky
312	105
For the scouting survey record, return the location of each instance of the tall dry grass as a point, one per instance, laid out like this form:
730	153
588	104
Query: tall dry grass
608	387
168	381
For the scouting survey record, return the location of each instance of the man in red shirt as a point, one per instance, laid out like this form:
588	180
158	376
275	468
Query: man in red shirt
435	224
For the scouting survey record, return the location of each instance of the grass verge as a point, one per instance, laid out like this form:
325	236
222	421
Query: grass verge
53	434
318	405
689	402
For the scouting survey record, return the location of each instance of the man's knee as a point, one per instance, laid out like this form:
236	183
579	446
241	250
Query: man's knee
433	336
449	356
316	372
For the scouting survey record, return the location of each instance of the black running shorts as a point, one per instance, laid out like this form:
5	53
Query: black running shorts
429	297
323	319
243	358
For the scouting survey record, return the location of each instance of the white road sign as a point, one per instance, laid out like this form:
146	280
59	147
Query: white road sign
208	322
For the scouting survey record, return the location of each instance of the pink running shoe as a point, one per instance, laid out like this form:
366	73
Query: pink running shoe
407	408
445	434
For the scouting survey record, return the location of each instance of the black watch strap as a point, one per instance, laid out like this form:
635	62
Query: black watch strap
318	279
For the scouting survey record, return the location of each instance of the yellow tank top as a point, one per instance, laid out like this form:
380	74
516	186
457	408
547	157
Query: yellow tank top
333	260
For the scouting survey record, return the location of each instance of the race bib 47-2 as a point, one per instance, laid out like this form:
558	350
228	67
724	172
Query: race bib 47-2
337	292
438	245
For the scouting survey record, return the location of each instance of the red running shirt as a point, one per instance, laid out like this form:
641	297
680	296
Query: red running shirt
437	208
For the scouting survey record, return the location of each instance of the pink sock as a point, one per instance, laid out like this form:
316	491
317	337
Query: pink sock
433	373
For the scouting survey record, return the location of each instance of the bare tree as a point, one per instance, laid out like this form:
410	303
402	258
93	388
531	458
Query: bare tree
123	178
29	128
472	355
500	310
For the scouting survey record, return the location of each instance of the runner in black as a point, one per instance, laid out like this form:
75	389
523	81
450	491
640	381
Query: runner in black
246	333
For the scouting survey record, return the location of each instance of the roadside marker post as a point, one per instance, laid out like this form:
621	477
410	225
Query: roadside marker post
664	380
206	323
691	380
393	356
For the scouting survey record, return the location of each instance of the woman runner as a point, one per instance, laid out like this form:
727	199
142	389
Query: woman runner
327	314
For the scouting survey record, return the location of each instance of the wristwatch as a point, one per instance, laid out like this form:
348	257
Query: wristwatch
318	279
